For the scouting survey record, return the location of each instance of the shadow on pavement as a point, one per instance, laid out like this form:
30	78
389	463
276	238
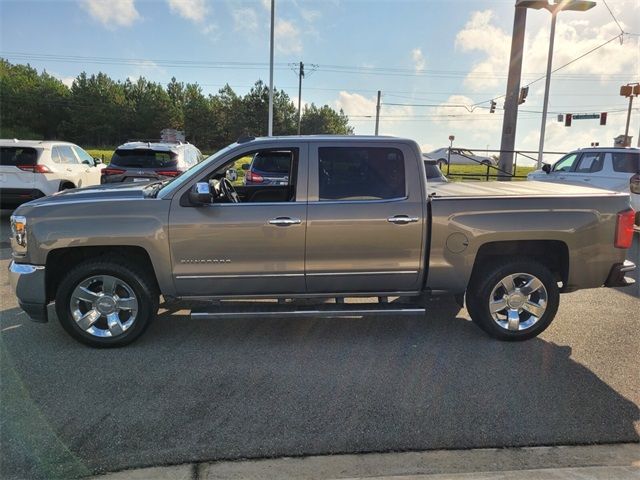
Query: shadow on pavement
197	390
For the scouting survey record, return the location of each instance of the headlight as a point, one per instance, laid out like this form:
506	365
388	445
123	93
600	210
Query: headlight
19	229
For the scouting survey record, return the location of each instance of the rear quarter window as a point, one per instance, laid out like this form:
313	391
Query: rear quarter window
626	162
143	158
14	156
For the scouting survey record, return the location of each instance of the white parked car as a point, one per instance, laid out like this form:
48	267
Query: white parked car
32	169
600	167
459	157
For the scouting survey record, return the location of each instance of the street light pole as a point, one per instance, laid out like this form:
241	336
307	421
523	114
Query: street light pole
547	82
273	16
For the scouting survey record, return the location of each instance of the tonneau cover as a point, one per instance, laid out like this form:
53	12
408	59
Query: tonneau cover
514	189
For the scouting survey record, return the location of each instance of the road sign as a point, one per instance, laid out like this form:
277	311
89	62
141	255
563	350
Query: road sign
586	116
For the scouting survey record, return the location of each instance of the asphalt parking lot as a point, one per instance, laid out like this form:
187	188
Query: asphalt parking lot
191	391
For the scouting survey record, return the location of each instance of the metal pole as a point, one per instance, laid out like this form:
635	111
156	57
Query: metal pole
547	82
300	75
378	113
627	143
273	16
510	118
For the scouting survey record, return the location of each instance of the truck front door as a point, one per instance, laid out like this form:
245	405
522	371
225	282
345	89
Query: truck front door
252	248
365	219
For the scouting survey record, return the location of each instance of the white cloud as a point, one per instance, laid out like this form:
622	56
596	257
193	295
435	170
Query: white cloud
194	10
266	4
418	59
287	37
356	105
68	81
454	113
245	19
573	37
310	16
112	13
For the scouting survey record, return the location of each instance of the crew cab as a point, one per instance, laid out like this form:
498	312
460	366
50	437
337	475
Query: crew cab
356	218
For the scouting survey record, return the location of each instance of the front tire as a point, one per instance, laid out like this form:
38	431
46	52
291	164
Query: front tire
513	301
103	303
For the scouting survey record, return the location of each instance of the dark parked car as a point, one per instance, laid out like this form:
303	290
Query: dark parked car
147	161
268	168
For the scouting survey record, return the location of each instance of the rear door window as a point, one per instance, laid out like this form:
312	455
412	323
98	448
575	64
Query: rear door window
143	158
590	162
361	173
14	156
66	155
626	162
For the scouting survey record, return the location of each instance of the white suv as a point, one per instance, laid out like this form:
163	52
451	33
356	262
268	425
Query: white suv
600	167
31	169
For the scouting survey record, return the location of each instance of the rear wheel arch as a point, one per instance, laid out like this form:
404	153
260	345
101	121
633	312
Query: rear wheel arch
553	254
66	185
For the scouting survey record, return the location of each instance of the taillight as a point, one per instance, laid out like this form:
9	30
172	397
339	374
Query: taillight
624	228
634	184
254	177
168	173
35	168
111	171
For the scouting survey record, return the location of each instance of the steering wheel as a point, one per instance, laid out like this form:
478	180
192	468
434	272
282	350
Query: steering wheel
229	191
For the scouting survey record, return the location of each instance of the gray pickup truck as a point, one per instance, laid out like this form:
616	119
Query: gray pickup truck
356	219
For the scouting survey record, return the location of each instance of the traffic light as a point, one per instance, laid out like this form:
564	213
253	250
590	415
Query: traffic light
524	91
626	90
603	118
567	119
492	108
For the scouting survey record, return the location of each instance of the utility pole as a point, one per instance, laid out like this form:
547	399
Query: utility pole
510	118
300	77
629	90
378	112
273	16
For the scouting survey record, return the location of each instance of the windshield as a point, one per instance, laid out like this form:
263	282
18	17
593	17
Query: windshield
143	158
194	171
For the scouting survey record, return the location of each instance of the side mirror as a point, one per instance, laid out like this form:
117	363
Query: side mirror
245	166
97	161
231	174
546	168
200	194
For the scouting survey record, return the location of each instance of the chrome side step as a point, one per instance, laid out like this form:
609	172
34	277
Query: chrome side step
258	309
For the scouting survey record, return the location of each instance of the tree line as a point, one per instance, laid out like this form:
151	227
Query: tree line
99	111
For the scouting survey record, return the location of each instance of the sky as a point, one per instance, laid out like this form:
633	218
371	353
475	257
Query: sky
437	63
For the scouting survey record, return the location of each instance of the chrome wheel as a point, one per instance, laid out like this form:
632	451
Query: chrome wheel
104	306
518	301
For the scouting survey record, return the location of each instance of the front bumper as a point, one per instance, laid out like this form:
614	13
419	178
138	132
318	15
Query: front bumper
28	281
617	276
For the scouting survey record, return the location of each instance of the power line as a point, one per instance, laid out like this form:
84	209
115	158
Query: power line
614	17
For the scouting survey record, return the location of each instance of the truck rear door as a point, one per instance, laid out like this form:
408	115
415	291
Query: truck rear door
365	218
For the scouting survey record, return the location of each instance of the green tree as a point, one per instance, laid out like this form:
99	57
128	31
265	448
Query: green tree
324	120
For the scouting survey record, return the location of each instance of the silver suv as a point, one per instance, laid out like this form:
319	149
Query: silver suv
146	161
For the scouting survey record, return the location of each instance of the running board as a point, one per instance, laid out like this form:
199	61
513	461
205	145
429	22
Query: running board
325	310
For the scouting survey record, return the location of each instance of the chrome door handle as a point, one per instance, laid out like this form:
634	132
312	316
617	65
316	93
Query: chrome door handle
284	221
402	219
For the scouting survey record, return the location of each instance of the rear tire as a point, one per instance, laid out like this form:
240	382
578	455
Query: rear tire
107	302
516	300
